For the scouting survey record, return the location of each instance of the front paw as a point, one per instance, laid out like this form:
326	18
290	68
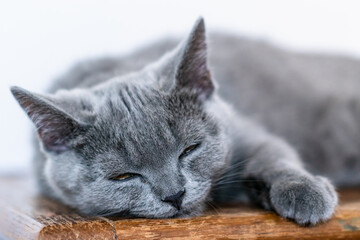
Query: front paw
305	199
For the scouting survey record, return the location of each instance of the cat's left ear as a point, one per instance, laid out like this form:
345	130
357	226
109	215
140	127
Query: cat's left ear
56	128
190	62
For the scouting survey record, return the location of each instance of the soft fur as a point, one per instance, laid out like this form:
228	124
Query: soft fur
137	114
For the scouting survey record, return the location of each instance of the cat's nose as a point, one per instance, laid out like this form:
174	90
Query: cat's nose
175	199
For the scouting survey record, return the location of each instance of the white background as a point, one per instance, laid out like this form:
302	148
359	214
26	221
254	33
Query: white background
41	39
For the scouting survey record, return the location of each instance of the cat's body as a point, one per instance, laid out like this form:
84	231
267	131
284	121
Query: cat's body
309	101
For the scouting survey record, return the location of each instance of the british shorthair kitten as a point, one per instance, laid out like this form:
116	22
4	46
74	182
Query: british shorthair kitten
163	131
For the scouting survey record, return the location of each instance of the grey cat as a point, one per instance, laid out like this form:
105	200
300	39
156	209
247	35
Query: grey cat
153	136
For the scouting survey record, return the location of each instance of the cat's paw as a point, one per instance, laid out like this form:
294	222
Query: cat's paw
306	200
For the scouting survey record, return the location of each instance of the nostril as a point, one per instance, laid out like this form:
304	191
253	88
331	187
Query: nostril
175	199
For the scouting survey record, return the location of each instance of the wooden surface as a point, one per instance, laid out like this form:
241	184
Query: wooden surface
23	215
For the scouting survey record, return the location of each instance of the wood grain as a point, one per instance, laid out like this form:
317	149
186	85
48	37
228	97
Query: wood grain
25	215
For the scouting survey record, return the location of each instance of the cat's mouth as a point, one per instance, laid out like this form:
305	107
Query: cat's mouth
128	214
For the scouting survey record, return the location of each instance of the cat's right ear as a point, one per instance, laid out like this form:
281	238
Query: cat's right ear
186	67
55	127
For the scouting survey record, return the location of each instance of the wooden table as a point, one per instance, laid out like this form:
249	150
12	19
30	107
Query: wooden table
24	215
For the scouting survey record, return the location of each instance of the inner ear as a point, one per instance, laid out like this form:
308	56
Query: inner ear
186	68
192	71
55	127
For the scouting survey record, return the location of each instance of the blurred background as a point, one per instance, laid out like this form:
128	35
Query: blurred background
40	39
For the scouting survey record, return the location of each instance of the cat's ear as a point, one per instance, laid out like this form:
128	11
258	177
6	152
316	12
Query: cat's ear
55	127
192	71
190	62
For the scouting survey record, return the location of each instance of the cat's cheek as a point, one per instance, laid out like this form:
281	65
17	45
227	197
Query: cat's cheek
49	179
56	190
64	177
197	191
208	166
214	159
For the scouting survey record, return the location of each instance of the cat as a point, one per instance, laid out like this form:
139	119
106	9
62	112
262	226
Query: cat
161	132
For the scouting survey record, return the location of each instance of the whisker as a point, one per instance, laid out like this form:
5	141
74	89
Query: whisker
236	181
235	168
215	208
112	212
228	176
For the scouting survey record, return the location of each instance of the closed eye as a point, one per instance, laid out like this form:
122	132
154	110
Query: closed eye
125	176
189	150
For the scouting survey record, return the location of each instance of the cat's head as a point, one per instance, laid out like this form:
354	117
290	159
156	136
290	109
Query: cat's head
142	144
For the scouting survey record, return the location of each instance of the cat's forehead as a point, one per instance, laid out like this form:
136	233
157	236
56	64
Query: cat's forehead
134	103
143	102
134	119
142	122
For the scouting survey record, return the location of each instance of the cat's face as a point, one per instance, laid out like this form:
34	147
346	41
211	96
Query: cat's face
141	145
146	146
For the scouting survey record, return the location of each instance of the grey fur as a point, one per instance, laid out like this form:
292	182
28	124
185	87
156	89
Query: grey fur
273	111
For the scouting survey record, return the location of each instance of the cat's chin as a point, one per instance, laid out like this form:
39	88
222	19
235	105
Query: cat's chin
191	210
156	215
183	214
173	213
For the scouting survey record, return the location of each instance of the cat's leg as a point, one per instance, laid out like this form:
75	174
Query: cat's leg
289	189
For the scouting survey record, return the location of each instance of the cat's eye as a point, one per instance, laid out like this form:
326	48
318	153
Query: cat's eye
125	176
188	150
